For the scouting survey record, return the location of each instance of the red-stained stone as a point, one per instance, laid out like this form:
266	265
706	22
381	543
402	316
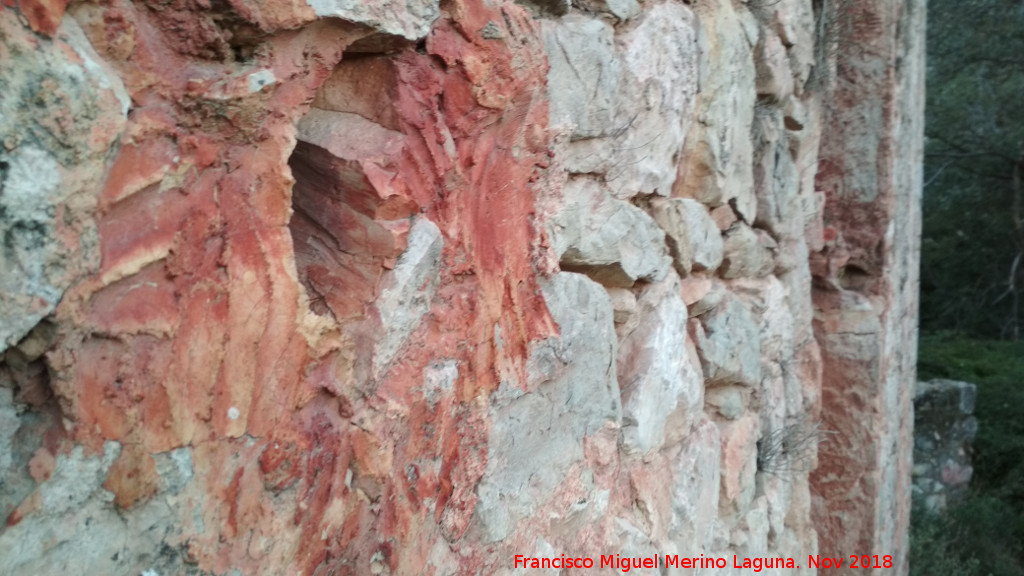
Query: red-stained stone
41	465
43	16
133	476
138	166
866	285
233	313
203	335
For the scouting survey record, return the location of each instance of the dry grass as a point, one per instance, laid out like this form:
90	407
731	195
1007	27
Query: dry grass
791	448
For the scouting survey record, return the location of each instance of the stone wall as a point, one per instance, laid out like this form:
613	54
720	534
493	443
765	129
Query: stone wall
412	288
944	430
866	277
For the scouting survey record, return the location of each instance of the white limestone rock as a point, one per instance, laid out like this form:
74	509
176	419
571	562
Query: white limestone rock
695	490
408	18
794	23
75	514
610	240
537	434
648	85
777	490
657	91
662	392
768	301
716	162
634	543
583	80
749	253
729	344
50	170
776	179
750	536
408	291
694	238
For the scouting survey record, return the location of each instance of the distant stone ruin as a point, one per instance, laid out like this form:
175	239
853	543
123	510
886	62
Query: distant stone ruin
944	429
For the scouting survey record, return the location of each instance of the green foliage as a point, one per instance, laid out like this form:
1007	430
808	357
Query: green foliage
937	547
982	535
997	368
977	537
975	134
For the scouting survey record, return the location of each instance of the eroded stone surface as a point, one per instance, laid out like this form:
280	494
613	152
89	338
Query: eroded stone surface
729	343
53	157
336	321
871	179
662	393
584	76
747	252
611	240
653	99
695	240
537	434
715	165
408	18
408	290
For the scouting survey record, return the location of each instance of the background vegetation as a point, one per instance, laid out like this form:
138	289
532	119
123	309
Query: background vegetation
972	275
973	233
984	534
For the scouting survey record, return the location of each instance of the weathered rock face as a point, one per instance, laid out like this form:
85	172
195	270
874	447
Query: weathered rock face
60	112
401	287
866	283
944	429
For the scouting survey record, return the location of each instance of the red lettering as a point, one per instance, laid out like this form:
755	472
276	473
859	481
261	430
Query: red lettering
819	562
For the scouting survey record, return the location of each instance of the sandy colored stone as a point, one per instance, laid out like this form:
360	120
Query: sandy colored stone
623	303
715	165
612	241
54	155
694	239
729	344
747	252
408	18
662	394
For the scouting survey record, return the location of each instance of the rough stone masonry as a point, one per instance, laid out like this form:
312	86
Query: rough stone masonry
328	287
